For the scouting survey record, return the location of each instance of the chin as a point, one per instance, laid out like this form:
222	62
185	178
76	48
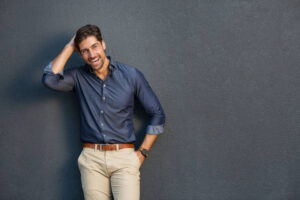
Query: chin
96	67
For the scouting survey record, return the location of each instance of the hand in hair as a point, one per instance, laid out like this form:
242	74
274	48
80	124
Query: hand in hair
72	44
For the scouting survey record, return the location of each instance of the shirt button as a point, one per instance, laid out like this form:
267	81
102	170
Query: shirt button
102	124
104	85
104	135
101	111
103	98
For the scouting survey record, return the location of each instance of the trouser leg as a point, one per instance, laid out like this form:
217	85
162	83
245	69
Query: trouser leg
94	179
125	180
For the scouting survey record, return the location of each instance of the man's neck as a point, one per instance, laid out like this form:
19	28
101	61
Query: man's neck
103	72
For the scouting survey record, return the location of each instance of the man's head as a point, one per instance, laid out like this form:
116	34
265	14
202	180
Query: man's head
89	43
84	32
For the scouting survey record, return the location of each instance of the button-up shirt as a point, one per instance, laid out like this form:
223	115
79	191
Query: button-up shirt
106	106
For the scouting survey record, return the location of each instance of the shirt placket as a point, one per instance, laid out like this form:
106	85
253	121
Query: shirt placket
102	111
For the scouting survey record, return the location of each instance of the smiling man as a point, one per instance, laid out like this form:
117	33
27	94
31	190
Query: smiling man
106	89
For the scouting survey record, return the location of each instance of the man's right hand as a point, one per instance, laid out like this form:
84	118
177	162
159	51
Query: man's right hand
72	43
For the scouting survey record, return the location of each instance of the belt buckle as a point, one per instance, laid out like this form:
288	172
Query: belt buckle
96	147
110	147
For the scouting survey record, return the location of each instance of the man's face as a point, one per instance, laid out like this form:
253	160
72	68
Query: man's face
92	52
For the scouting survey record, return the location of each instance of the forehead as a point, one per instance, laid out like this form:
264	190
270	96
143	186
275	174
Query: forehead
88	42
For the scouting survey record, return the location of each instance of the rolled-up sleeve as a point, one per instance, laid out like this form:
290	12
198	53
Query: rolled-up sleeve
151	104
63	81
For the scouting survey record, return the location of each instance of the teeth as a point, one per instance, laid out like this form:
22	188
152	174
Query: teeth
94	60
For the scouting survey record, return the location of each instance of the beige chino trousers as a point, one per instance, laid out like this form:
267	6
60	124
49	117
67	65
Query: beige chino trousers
107	173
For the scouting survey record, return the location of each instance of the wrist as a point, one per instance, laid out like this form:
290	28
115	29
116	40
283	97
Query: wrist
144	152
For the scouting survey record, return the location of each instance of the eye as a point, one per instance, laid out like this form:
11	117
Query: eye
95	46
84	51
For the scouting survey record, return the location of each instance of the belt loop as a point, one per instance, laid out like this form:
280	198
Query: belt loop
95	147
100	147
117	147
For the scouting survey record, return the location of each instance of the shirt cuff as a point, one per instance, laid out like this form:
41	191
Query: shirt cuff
157	129
48	69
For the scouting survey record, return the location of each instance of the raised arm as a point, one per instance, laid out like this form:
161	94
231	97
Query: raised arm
60	61
54	77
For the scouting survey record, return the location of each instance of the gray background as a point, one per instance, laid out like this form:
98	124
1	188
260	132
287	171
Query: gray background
226	73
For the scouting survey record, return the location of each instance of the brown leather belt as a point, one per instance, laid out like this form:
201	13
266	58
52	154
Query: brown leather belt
107	147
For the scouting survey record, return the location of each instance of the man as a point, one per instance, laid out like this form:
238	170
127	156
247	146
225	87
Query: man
106	90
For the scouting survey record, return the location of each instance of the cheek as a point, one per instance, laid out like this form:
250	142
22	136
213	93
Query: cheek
84	57
102	53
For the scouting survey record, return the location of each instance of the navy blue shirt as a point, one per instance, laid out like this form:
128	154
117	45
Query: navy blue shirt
106	106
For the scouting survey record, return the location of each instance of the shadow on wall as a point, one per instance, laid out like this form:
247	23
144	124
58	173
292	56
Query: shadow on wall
51	162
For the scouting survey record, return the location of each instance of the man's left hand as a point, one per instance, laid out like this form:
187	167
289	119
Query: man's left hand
140	156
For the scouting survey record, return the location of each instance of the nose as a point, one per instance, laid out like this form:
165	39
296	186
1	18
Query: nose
92	54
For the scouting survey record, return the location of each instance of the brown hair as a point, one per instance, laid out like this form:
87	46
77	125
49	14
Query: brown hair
84	32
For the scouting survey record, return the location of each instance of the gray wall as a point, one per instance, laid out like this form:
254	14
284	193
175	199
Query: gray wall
226	73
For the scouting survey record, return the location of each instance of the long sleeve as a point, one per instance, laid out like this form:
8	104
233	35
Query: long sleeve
62	81
150	103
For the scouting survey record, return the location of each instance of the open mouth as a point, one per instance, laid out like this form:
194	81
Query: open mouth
94	60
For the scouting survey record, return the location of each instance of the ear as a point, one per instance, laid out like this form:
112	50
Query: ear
103	44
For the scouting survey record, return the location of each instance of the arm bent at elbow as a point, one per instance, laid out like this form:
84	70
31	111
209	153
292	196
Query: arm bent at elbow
151	105
58	82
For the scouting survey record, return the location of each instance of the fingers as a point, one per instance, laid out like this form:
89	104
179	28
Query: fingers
141	157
